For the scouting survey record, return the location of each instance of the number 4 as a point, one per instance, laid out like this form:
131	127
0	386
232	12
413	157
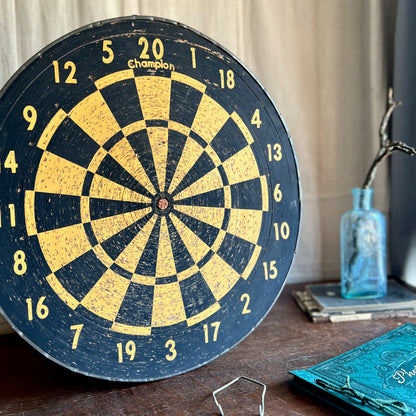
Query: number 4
10	162
256	118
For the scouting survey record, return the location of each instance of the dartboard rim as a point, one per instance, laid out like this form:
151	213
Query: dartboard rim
238	62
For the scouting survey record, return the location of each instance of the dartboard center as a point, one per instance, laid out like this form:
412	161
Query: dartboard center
162	203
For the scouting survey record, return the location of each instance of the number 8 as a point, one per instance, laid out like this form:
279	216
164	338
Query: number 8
20	265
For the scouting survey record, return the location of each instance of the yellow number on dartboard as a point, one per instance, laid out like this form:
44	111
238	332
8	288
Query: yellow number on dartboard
270	270
282	230
77	329
107	49
207	332
157	48
277	193
12	215
129	349
274	152
227	79
68	65
20	265
171	346
255	120
193	58
30	115
10	162
12	212
245	297
42	311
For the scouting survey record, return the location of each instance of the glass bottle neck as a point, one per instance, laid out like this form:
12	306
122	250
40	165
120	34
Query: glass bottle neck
362	198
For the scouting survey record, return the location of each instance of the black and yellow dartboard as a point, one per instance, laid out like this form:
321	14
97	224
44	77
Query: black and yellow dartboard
150	200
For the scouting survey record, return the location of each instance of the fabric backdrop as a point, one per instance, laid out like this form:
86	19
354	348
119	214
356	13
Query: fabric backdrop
325	63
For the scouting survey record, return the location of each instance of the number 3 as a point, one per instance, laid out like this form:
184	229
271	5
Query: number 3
171	346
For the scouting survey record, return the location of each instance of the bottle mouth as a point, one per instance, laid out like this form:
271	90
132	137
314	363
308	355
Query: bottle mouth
362	198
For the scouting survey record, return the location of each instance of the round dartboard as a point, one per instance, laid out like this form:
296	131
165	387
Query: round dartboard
150	200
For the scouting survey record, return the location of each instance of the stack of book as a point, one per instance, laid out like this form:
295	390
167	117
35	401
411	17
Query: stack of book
323	303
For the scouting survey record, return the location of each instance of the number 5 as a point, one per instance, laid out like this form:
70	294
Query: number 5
106	48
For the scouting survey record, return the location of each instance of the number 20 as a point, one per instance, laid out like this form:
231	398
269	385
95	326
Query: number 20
157	48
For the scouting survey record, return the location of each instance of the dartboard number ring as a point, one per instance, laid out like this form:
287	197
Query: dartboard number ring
150	200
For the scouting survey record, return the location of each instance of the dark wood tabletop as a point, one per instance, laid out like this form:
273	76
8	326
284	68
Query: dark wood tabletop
33	385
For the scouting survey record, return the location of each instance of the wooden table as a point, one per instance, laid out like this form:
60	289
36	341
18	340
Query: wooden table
31	384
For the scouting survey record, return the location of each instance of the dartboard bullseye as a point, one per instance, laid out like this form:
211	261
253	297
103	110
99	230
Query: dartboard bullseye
150	201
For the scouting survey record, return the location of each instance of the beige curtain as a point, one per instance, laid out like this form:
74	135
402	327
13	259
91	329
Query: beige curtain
324	62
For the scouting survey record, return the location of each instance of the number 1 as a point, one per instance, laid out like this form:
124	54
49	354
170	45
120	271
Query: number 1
193	58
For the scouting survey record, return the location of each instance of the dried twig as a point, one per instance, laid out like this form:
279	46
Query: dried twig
387	147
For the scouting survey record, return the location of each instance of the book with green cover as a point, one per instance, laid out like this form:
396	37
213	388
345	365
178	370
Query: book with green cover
377	378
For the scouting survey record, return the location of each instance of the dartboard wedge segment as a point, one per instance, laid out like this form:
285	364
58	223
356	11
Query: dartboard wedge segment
150	203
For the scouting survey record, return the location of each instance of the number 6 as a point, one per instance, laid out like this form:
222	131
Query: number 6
277	194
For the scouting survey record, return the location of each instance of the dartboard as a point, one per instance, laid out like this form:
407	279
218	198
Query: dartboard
150	200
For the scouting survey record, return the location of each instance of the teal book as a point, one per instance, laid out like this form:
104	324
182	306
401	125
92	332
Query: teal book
377	378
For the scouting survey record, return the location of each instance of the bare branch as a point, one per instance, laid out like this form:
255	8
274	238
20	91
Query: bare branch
403	147
386	118
386	146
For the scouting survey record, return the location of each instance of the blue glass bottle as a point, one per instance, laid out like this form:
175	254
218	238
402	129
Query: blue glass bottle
363	249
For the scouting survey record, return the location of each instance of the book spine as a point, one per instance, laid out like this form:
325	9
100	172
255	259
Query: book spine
406	313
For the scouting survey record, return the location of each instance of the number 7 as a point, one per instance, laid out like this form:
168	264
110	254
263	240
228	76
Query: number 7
77	329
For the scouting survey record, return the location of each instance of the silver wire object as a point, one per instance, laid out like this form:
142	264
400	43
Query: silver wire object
261	407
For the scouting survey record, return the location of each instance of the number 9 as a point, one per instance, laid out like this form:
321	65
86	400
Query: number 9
30	115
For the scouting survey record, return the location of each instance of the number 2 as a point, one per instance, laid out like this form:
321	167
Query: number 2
245	297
